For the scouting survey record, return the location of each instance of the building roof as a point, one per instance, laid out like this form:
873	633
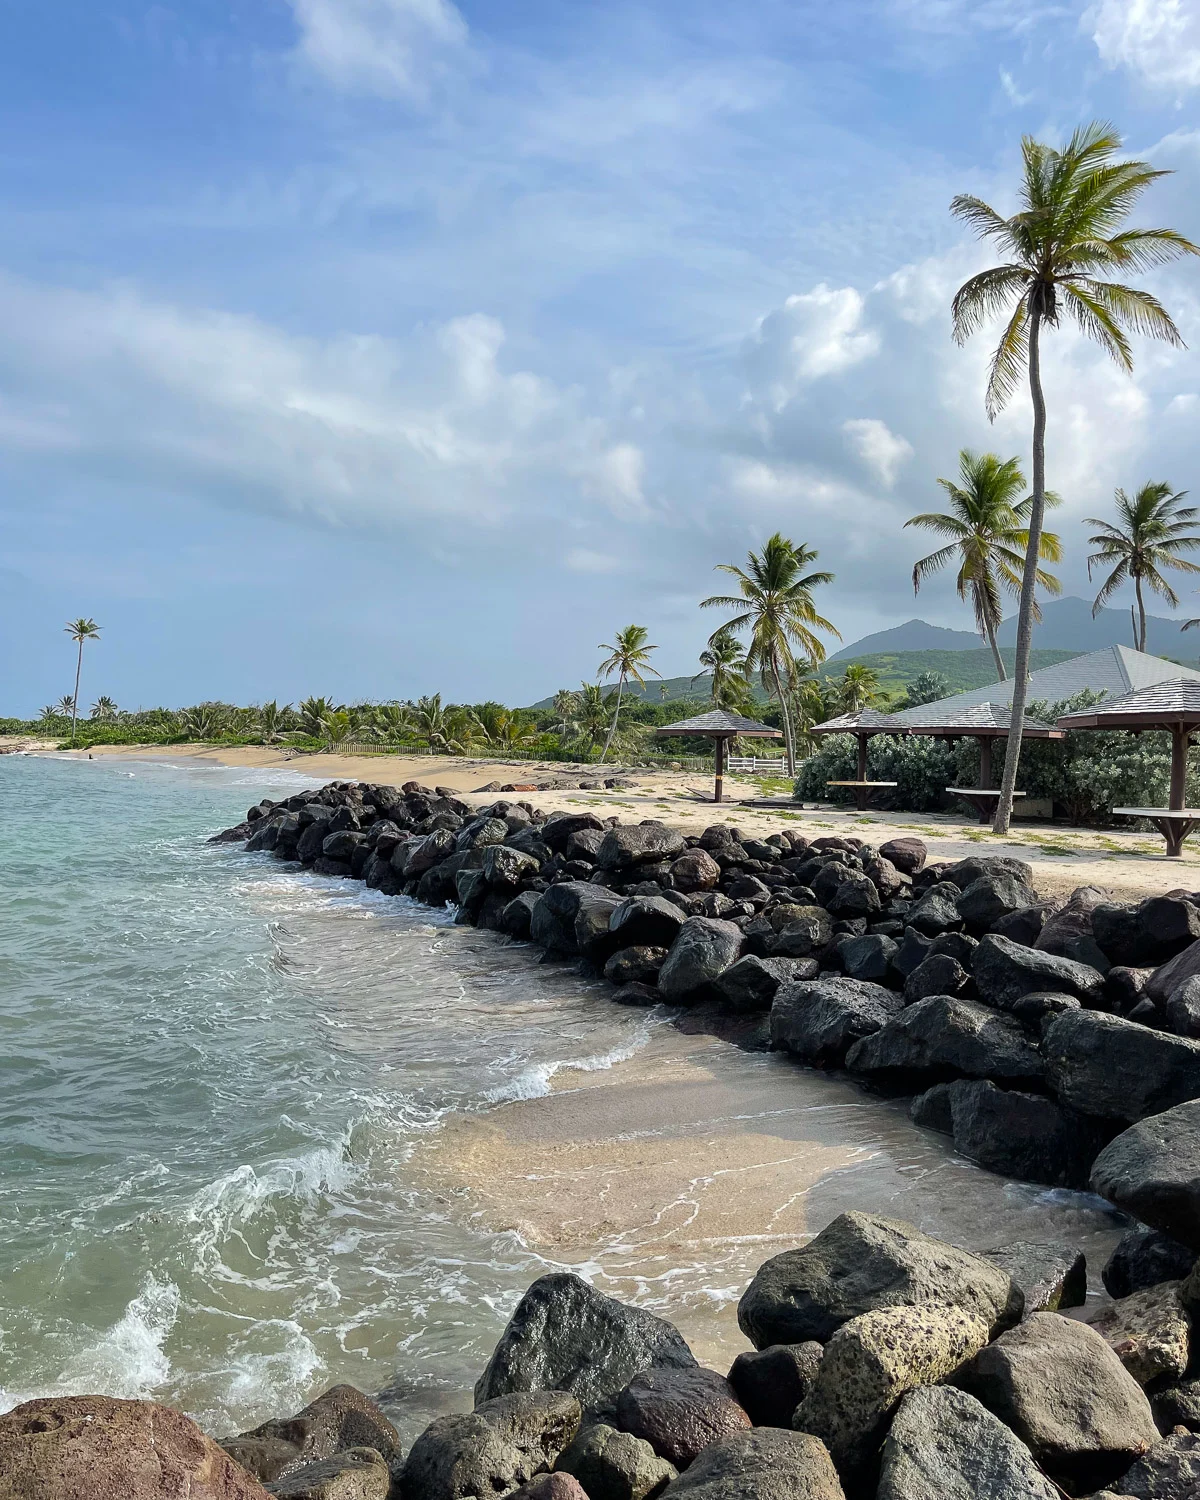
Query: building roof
718	723
1163	703
983	719
865	721
1113	670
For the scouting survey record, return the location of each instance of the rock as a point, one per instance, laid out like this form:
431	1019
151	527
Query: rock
861	1262
584	843
914	949
1125	986
819	1020
612	1465
1004	971
1143	1258
943	1445
771	1383
828	876
975	865
1050	1276
340	1418
1022	1135
1177	1406
763	1464
932	1109
556	916
1066	1395
947	1037
1182	1009
424	854
646	921
505	866
479	833
679	1412
1103	1065
1031	1010
992	896
869	957
1150	933
856	896
751	983
556	1486
100	1448
937	910
939	974
642	843
869	1364
565	1335
1166	979
908	855
558	828
1170	1471
636	993
1025	926
695	871
517	916
808	929
356	1474
492	1450
1149	1331
634	965
704	949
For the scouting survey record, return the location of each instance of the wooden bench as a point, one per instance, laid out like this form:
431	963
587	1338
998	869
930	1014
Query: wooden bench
985	798
1174	823
862	789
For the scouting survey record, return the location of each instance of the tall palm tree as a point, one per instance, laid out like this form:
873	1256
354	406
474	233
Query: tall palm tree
593	711
80	630
776	605
1065	238
566	713
988	531
858	689
1151	530
724	663
65	706
104	708
629	656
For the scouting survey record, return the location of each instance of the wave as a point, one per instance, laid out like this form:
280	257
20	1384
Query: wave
534	1082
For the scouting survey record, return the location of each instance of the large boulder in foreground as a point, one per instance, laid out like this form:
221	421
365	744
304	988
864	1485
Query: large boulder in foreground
1067	1396
1152	1171
340	1418
566	1336
763	1464
1023	1135
1004	971
704	949
943	1445
679	1412
554	917
944	1037
819	1020
1116	1069
861	1262
492	1450
99	1448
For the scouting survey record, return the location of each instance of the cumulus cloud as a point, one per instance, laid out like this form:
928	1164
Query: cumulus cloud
812	335
382	47
1158	39
882	450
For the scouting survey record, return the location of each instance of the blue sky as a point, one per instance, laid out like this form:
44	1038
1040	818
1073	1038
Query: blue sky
376	347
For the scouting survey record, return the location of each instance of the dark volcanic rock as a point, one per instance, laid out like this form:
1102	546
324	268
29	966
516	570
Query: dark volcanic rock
556	831
869	957
1004	971
518	914
1165	980
1143	1258
704	949
1050	1276
555	918
342	1417
771	1383
492	1450
1103	1065
1182	1009
1150	933
992	896
642	843
819	1020
858	1263
565	1335
356	1474
914	949
939	974
612	1465
634	965
1023	1135
1024	926
856	896
1071	925
751	983
1170	1471
646	921
763	1464
1152	1170
947	1037
908	855
695	871
807	929
636	993
1177	1406
937	910
679	1412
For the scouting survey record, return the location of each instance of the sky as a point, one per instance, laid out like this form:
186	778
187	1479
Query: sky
373	348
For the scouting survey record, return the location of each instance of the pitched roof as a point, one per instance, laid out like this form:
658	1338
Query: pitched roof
718	722
866	719
1113	670
974	718
1174	702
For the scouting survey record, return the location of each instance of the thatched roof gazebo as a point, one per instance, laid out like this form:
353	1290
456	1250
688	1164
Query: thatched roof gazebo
721	726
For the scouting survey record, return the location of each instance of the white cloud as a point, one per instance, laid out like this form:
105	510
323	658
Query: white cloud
581	560
812	335
615	477
882	450
384	47
1013	94
1158	39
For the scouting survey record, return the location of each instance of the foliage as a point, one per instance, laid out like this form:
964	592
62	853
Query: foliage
927	687
1151	530
724	662
857	689
922	768
629	656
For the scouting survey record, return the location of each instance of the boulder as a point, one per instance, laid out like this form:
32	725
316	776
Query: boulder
771	1383
556	831
1182	1009
704	949
946	1037
861	1262
628	845
505	866
763	1464
908	855
939	974
1103	1065
1050	1276
1167	978
646	921
975	865
1033	1009
679	1412
751	983
869	957
612	1465
937	910
695	871
1067	932
820	1020
932	1110
993	895
636	993
356	1474
584	844
565	1335
517	916
1025	926
808	929
492	1450
1144	1257
1177	1405
1004	971
944	1445
100	1448
856	896
827	876
557	1486
1150	933
1067	1396
1149	1331
556	914
424	854
1170	1471
634	965
869	1364
1023	1135
340	1418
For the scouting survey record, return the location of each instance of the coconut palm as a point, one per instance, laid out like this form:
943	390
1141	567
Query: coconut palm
511	732
1152	529
724	663
393	721
1057	249
271	719
79	630
336	728
105	709
988	530
51	712
629	656
65	708
448	729
204	721
926	687
857	689
566	713
593	712
811	702
776	606
312	715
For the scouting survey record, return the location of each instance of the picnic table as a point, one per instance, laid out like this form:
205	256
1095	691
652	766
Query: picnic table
985	798
1174	823
863	789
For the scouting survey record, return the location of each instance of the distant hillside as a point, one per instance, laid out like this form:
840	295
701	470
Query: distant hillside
913	635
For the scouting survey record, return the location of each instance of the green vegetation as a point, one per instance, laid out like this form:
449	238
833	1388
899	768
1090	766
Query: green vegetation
629	656
959	670
1151	531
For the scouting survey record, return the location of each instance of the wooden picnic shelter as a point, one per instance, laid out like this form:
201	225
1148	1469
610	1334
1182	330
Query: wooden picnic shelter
863	724
986	723
720	726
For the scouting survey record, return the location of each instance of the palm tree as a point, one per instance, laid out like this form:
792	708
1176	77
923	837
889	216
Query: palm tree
593	712
926	687
858	689
65	707
629	656
104	708
336	728
271	719
51	712
811	701
776	606
724	663
393	721
1065	237
80	630
1152	529
988	527
566	713
448	729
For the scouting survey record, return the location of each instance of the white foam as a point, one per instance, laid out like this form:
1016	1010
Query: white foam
534	1082
129	1359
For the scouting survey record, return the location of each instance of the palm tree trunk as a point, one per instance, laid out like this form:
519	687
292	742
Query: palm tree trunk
1140	643
612	728
788	740
1001	674
1008	783
75	700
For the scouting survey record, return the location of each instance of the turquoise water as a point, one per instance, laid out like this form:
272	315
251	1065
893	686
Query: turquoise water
213	1073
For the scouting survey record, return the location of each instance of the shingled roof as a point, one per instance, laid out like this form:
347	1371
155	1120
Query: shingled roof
719	723
865	721
973	718
1173	702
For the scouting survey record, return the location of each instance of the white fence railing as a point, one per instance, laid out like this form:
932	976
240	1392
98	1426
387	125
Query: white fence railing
772	763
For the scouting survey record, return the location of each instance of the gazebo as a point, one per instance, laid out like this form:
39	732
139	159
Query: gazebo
1173	705
862	725
722	726
985	722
